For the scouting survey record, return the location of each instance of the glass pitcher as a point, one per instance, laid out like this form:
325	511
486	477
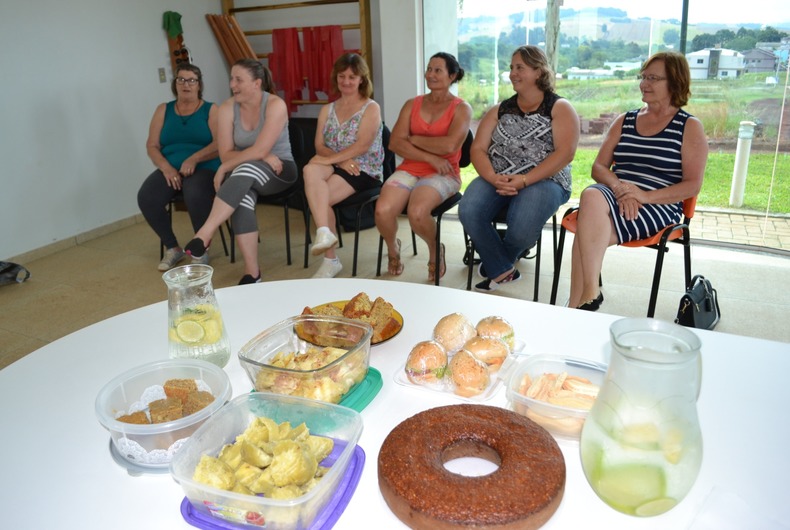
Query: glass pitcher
195	326
641	445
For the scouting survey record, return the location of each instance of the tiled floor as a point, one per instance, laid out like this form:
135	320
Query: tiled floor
102	277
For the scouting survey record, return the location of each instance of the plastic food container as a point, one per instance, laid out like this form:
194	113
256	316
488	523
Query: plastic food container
324	419
327	356
153	445
555	411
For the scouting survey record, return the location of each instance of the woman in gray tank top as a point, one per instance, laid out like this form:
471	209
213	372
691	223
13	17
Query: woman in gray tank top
256	160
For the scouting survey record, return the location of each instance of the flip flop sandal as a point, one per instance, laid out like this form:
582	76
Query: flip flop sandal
394	264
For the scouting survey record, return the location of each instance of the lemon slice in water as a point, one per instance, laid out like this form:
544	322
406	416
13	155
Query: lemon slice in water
190	331
655	507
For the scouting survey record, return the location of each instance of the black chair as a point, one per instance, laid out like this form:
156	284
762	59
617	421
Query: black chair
357	202
437	212
301	132
498	222
177	202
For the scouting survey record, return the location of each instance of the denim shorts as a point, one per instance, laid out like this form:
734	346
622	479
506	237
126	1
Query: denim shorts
446	186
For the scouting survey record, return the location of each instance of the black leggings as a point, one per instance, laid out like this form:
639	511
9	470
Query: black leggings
155	194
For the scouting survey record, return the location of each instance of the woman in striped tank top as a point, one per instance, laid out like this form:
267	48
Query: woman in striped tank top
651	160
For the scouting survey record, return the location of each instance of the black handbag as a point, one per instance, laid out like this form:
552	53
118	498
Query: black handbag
699	307
12	273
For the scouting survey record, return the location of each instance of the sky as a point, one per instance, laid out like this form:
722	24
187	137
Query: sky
713	11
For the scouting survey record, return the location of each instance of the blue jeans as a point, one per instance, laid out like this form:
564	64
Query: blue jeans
527	212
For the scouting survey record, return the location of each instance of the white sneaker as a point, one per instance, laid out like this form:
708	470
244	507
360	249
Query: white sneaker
328	269
202	260
324	240
171	257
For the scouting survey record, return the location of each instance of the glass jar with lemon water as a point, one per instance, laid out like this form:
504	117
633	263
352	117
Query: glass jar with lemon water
195	326
641	445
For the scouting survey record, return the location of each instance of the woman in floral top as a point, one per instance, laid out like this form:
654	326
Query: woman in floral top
349	155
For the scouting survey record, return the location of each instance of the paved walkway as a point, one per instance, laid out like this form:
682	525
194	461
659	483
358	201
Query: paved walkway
735	227
742	228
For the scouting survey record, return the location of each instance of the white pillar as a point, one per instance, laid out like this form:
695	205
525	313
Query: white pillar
745	135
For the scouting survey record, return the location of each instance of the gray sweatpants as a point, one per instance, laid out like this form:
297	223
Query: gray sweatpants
249	180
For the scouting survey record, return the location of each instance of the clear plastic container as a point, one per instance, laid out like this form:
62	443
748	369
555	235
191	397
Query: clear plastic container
153	445
341	424
564	422
306	335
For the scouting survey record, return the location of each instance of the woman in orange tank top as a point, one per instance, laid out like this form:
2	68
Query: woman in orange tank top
428	136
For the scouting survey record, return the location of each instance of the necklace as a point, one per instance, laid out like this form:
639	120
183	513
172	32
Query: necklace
186	117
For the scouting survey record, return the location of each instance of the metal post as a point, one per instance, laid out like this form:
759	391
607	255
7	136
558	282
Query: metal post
745	135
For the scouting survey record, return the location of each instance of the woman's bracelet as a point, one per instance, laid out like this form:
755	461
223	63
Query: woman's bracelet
524	180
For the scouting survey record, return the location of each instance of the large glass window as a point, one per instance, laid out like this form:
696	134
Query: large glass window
739	60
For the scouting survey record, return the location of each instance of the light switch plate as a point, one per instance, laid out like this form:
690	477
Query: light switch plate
162	77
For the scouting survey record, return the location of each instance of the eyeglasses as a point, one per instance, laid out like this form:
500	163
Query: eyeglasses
650	78
188	81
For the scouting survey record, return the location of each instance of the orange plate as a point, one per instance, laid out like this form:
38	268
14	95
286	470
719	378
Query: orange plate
340	304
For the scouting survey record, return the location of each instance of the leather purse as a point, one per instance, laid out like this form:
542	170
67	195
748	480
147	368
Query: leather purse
699	307
12	273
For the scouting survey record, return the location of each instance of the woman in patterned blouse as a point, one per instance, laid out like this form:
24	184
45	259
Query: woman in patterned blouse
522	151
650	161
349	154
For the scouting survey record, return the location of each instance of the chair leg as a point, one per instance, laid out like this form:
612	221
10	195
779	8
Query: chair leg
287	232
651	306
557	266
307	238
537	270
356	241
687	256
232	237
222	238
381	253
438	258
414	242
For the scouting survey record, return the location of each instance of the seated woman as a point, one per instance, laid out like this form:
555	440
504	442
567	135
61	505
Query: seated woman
255	149
349	154
522	151
651	160
428	135
181	144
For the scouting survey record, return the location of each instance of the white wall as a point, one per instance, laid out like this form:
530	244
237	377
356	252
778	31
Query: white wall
79	86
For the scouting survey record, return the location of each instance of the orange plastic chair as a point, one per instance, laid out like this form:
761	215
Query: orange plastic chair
679	233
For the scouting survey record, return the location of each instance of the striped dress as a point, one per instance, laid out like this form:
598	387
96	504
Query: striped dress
650	163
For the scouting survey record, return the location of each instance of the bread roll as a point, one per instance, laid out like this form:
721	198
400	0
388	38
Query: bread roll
452	331
427	362
497	327
490	350
470	376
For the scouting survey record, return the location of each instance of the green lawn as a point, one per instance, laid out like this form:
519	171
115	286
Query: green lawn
718	180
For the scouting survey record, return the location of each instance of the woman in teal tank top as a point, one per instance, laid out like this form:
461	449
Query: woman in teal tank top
181	145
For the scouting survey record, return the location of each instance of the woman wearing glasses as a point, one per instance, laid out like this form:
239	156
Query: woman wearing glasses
253	143
651	160
181	144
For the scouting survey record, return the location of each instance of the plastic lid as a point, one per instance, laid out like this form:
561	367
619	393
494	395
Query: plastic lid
326	518
363	393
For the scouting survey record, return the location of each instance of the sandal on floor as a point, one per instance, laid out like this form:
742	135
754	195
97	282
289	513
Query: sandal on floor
442	266
394	264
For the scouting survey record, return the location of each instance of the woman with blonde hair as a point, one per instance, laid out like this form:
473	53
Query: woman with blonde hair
349	154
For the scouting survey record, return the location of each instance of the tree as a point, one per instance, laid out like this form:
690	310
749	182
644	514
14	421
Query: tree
702	41
672	37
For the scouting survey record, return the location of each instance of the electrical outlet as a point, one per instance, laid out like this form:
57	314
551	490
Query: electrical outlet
162	76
